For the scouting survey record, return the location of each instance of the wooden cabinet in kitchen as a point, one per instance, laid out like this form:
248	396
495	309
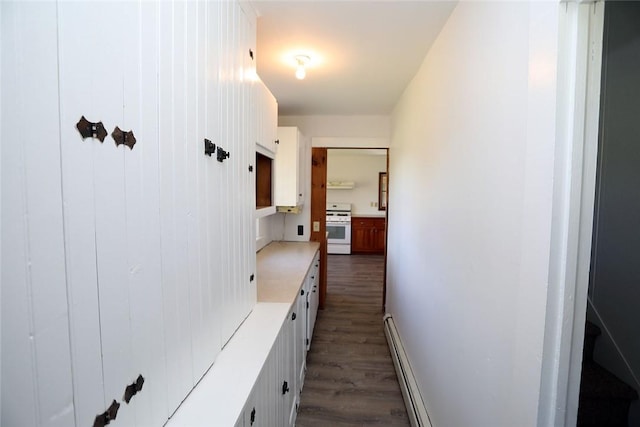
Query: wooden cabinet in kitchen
367	235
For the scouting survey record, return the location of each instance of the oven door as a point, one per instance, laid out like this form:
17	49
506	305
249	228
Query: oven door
339	233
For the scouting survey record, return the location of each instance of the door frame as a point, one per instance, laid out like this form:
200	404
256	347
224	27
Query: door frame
319	160
578	112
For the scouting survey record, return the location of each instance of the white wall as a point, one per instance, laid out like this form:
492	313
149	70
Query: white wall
361	168
340	126
471	164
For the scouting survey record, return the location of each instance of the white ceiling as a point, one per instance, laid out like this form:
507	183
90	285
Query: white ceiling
364	53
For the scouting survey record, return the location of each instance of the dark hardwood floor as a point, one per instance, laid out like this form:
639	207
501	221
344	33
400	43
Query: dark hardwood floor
350	378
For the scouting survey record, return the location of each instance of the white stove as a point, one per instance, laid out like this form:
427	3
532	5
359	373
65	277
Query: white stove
339	228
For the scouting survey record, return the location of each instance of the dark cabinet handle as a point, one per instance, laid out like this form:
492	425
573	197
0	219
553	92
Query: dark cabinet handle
293	316
285	387
253	416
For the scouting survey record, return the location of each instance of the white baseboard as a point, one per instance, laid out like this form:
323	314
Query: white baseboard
416	408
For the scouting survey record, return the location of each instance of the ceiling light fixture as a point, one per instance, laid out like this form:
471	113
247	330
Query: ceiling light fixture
302	61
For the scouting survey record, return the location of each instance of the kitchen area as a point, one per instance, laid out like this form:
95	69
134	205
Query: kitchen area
356	200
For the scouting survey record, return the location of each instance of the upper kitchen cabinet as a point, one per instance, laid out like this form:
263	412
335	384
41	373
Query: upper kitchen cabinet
290	168
267	119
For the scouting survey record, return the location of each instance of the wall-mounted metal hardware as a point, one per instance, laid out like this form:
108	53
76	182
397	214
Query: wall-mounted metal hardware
250	168
277	141
293	316
285	387
253	416
133	388
107	416
251	53
122	137
209	147
221	154
301	291
252	277
91	130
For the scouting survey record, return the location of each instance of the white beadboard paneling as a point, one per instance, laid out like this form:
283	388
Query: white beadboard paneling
110	192
225	193
35	304
212	176
193	165
144	250
79	208
19	404
143	221
175	289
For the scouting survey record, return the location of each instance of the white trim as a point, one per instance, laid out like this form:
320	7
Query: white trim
579	62
262	212
265	152
349	142
416	409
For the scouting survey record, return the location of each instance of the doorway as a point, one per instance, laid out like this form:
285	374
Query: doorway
351	176
614	274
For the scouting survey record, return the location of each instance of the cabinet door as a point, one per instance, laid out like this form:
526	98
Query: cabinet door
380	237
361	236
367	235
267	111
287	168
300	342
36	333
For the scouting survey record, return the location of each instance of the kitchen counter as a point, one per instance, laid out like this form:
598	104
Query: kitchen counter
281	268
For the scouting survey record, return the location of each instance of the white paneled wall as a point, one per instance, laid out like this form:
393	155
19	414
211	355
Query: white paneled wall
118	261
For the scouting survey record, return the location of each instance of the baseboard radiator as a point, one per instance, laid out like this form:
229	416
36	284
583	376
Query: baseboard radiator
416	408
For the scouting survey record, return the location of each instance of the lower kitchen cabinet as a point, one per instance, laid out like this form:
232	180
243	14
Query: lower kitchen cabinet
312	283
367	235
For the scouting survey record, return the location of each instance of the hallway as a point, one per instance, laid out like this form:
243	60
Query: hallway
350	377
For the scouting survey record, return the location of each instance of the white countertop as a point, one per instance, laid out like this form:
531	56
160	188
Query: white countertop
281	269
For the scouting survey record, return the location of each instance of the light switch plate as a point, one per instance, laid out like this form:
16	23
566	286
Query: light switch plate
316	226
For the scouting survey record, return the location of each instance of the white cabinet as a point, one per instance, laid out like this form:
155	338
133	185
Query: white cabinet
290	167
267	118
313	298
147	265
301	342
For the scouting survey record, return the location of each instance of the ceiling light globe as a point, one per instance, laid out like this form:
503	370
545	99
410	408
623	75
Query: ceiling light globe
301	73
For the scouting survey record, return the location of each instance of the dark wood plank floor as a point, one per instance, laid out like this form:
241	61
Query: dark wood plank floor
350	378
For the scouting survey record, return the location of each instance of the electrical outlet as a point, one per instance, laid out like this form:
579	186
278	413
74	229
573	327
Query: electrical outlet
316	226
300	230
